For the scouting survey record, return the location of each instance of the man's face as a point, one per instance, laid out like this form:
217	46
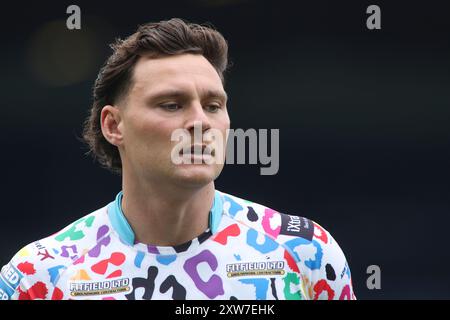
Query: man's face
170	93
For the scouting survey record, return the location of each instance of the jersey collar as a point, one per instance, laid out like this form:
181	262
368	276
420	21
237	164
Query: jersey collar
123	228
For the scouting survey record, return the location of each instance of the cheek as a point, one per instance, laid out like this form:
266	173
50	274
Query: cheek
224	128
222	122
153	140
142	135
226	124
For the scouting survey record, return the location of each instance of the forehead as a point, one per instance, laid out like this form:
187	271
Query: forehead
183	71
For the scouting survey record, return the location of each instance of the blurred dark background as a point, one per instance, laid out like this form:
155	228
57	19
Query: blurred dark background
363	118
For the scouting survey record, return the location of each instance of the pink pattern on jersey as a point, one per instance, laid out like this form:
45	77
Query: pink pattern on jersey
268	214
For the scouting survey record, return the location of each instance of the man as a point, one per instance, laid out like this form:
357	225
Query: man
169	234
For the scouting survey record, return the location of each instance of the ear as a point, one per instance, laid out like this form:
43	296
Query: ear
111	124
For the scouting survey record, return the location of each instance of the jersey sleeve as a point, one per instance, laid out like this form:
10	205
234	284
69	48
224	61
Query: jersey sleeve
323	268
28	276
326	265
332	277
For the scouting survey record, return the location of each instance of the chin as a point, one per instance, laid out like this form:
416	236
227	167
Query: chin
196	175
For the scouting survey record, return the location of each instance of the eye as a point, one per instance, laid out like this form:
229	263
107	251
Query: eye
171	107
213	108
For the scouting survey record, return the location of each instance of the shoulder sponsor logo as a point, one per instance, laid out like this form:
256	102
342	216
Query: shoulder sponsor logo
297	226
257	268
11	275
39	246
10	278
91	288
43	251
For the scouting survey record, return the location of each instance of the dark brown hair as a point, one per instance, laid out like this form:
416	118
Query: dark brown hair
165	38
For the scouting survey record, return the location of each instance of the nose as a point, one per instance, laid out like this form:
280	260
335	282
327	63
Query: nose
197	118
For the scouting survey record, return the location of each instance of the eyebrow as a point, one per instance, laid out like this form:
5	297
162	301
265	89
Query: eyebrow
175	93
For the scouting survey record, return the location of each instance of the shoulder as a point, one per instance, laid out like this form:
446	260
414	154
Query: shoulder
281	227
310	246
35	268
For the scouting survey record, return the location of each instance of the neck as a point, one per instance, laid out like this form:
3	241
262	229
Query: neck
164	215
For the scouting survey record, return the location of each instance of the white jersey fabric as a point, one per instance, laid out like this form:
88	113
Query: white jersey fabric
249	251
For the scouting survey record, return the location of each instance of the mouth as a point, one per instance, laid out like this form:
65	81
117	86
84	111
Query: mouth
198	150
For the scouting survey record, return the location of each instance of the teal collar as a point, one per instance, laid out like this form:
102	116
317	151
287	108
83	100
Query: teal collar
123	228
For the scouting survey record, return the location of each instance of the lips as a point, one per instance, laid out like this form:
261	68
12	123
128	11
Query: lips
198	150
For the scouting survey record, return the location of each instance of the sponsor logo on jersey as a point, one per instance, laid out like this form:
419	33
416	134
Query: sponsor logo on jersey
43	251
91	288
297	226
9	281
257	268
39	246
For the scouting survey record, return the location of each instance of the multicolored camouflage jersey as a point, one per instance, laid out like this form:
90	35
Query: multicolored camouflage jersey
248	252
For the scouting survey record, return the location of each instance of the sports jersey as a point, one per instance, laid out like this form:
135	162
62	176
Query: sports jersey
249	251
